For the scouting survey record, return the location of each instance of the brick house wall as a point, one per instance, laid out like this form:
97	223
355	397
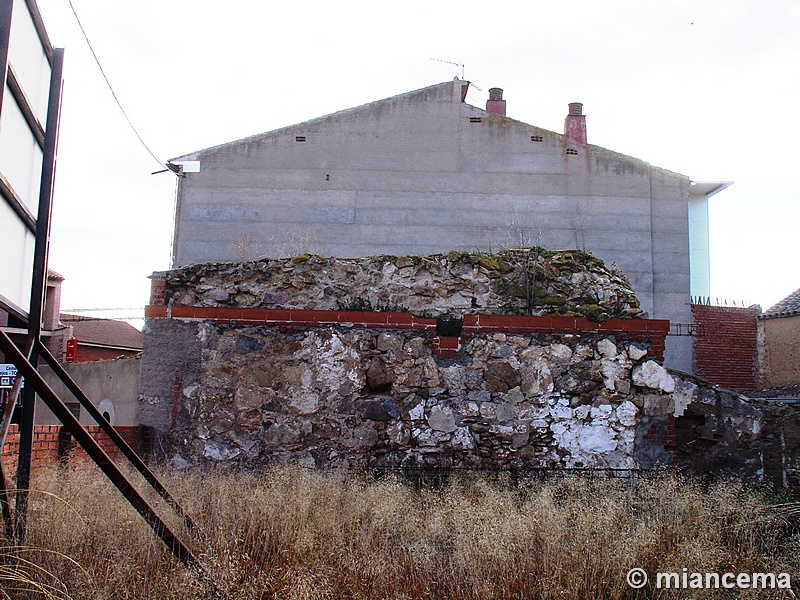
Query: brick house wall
725	348
53	444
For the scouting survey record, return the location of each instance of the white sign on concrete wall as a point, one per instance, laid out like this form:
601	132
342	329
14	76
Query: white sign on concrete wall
8	374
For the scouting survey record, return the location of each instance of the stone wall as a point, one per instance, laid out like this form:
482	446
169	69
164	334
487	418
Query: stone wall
327	362
781	441
331	395
530	281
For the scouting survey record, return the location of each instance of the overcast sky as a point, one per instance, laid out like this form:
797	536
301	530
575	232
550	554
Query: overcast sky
707	88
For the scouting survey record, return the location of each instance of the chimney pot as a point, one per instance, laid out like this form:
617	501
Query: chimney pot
495	104
575	124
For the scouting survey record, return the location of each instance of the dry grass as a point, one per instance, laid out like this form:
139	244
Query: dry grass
294	534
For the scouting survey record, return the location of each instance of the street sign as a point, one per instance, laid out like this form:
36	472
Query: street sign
8	374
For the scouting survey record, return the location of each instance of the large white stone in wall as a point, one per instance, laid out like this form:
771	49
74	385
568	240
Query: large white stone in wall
418	412
685	393
219	451
636	353
584	442
462	438
652	375
607	349
626	413
596	439
560	353
536	378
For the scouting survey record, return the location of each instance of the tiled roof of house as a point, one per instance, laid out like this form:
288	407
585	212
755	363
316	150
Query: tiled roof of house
786	307
103	332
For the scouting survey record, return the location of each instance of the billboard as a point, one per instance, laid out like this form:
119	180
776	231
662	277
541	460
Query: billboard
26	55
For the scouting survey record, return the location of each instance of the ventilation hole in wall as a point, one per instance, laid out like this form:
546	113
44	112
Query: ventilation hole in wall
300	138
537	138
572	152
474	119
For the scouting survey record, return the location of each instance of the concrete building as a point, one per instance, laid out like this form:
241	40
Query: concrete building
425	172
111	385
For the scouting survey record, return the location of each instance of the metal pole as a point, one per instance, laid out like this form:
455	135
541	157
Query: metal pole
38	287
33	379
95	452
112	433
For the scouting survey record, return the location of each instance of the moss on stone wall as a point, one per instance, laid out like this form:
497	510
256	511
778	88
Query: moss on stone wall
522	281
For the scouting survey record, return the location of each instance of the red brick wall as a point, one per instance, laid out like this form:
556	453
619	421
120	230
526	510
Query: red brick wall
725	348
51	444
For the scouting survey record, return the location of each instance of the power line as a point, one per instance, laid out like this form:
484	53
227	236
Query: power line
108	83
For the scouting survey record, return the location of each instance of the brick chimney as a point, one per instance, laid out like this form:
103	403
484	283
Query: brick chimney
495	104
575	124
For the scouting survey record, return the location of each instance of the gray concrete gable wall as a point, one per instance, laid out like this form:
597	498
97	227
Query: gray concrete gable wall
111	385
417	174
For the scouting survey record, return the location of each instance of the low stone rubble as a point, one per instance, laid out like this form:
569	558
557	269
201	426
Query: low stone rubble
528	281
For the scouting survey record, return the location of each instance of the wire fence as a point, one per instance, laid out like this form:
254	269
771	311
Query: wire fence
441	476
723	302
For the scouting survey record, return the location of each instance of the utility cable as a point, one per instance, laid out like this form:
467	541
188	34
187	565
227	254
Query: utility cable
108	83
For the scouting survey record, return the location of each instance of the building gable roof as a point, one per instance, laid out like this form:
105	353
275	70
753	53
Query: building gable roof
439	89
789	306
103	332
448	90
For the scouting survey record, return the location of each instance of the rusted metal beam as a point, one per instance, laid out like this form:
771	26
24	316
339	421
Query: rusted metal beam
5	507
33	379
5	423
112	433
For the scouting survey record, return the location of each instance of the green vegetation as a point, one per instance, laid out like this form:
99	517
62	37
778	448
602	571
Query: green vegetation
290	533
360	303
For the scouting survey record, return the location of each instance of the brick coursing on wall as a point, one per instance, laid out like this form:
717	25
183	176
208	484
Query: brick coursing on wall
726	347
653	331
53	444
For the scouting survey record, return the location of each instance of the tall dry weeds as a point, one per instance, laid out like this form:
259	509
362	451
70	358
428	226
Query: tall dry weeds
290	533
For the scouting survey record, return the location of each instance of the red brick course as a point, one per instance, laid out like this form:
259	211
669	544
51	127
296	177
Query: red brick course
52	444
653	331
